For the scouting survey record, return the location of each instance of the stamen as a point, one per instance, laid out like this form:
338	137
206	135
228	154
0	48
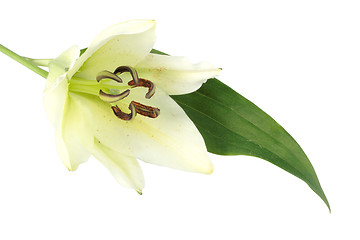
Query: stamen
131	70
124	116
134	107
147	111
106	74
144	83
110	98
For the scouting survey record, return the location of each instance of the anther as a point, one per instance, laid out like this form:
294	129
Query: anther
147	111
134	107
106	74
144	83
131	70
110	98
125	116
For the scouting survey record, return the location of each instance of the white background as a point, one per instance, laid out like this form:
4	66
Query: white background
297	60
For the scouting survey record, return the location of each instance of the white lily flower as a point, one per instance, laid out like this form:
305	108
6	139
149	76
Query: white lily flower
104	103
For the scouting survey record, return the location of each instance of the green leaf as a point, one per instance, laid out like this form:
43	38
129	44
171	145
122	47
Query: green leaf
82	51
232	125
158	52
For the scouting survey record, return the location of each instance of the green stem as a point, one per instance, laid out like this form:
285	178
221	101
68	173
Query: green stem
23	61
39	62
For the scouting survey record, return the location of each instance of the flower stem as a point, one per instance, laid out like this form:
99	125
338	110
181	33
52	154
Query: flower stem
23	61
39	62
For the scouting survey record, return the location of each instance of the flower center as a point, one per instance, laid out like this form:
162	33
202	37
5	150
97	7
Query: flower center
109	92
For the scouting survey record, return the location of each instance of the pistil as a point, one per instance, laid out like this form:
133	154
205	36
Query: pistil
94	87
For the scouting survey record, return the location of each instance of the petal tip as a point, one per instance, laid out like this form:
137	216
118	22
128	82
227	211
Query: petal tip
68	166
209	170
206	167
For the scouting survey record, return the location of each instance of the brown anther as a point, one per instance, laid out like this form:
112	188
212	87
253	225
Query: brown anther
106	74
110	98
144	83
125	116
147	111
131	70
134	107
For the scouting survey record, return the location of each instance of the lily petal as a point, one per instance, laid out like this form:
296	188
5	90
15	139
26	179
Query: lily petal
56	89
125	169
59	110
170	140
175	75
69	137
124	44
